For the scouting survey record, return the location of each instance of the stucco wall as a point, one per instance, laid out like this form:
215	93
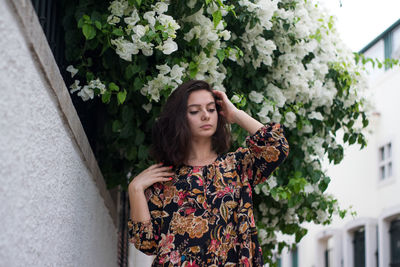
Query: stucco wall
51	212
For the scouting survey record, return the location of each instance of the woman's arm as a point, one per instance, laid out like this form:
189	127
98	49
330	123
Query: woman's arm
235	115
144	227
138	203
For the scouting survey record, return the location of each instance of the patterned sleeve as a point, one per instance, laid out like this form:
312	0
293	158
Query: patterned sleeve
267	149
145	235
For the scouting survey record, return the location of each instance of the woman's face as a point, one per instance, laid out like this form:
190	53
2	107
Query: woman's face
202	114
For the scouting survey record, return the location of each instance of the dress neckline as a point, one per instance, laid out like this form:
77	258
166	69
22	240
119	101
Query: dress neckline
202	166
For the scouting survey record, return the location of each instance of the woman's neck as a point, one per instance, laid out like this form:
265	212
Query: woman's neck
201	152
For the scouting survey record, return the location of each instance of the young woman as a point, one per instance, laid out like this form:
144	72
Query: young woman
195	207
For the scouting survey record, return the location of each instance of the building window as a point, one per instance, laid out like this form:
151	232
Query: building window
385	161
359	247
326	257
395	243
295	262
279	262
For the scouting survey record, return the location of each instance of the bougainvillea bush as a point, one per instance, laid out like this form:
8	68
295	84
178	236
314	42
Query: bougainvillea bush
279	60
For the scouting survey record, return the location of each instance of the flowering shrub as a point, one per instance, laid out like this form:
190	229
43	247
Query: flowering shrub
279	60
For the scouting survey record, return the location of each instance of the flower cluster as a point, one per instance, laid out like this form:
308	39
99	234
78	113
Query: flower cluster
168	78
153	30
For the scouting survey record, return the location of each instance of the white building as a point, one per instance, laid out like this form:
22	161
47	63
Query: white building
367	179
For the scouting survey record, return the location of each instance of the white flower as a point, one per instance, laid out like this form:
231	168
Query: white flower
191	3
177	73
316	115
118	7
225	34
147	107
321	216
308	189
164	69
124	48
75	87
72	70
265	190
133	19
160	7
263	114
235	99
256	97
112	20
139	30
168	47
272	182
86	93
290	117
149	16
97	84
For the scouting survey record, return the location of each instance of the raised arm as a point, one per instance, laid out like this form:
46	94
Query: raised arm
235	115
267	146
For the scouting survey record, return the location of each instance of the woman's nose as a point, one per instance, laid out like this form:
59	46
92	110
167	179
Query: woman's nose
205	115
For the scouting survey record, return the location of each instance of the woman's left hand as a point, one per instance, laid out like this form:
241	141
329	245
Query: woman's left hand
228	110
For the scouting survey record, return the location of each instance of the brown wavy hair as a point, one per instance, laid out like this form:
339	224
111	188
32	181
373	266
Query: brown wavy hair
171	133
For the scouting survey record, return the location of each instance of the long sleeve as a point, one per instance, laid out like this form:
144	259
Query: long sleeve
266	150
146	235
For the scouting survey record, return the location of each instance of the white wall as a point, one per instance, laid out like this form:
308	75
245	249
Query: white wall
51	212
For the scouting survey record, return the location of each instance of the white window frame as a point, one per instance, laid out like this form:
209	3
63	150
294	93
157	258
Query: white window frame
387	216
385	163
369	225
322	244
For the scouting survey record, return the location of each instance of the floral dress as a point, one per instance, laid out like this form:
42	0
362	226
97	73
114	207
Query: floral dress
204	216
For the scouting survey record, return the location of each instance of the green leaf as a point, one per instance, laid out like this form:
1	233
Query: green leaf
118	32
221	55
98	24
105	98
139	137
116	126
353	138
217	16
81	21
113	86
193	69
88	31
142	152
138	2
132	154
131	70
121	97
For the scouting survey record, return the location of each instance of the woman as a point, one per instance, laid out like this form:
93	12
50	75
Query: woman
195	208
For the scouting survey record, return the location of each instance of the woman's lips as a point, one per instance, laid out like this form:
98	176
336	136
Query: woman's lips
207	126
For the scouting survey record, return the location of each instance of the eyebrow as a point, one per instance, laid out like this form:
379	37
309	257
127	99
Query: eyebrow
198	105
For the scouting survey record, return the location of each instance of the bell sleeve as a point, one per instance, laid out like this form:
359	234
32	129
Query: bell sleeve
146	235
266	150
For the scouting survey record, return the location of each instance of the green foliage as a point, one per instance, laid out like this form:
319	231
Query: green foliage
298	195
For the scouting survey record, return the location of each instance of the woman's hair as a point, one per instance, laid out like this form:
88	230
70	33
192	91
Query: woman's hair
171	132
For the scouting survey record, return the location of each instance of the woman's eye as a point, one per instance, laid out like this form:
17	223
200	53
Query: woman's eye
193	112
211	110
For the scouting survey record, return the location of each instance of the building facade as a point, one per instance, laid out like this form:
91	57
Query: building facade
367	179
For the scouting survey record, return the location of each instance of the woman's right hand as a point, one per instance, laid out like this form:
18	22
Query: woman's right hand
153	174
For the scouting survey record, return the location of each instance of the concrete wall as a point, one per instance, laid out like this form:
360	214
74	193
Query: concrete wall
52	212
